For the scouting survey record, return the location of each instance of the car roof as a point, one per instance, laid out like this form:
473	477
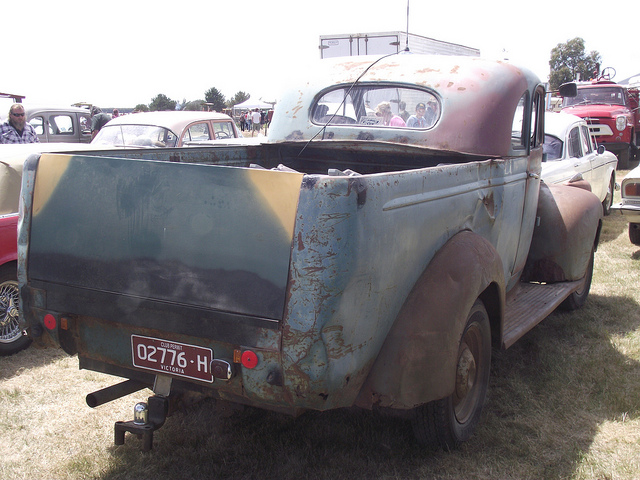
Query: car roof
37	108
173	120
478	99
558	124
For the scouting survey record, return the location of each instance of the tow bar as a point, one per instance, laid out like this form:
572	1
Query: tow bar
147	418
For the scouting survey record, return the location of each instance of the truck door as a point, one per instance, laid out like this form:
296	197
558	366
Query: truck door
532	139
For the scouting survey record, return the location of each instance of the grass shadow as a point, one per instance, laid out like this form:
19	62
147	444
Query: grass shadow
549	394
32	357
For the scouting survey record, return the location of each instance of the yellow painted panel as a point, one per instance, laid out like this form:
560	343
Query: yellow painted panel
50	170
280	191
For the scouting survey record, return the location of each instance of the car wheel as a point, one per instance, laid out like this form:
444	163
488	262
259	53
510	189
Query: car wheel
578	298
608	199
448	422
634	233
12	338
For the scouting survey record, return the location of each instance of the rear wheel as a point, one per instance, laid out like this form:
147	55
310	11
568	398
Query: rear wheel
448	422
12	338
634	233
578	298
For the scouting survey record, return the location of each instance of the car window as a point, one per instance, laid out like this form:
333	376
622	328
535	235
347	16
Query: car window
198	131
587	140
394	106
38	125
223	130
552	147
61	125
575	143
135	135
85	123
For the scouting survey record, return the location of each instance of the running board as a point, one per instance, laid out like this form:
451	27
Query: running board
530	303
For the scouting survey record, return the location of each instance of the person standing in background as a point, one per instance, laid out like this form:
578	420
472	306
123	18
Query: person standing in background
16	129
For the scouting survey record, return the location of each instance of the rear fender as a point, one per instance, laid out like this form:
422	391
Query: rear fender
567	229
418	359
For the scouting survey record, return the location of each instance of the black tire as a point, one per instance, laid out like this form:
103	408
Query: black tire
448	422
578	298
12	338
608	199
634	233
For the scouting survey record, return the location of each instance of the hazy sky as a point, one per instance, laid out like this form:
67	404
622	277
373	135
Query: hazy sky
122	53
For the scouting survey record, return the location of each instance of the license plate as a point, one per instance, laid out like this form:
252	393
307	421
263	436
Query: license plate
173	358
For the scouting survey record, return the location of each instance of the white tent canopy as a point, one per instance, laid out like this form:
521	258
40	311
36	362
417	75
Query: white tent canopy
249	104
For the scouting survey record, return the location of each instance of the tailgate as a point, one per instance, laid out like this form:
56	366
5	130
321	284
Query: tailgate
204	236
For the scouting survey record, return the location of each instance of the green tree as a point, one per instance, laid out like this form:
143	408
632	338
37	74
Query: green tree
239	97
161	102
194	106
569	62
216	98
141	107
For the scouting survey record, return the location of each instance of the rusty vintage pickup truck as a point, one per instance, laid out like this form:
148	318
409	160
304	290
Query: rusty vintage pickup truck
358	257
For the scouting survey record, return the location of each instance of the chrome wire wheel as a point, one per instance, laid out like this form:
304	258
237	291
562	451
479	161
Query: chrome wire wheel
9	313
12	337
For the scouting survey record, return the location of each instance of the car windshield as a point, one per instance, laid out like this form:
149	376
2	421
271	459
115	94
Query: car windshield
596	96
552	147
377	105
135	136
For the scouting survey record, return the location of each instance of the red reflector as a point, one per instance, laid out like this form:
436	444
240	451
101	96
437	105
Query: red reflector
50	321
249	359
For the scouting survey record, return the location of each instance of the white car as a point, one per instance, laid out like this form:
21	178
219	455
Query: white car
571	151
629	207
165	129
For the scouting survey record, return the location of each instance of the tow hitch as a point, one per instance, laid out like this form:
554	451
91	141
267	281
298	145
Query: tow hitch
147	418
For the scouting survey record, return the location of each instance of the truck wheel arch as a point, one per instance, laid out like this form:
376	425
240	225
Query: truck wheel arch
426	333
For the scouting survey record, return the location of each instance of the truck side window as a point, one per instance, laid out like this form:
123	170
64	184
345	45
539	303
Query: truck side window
537	119
518	134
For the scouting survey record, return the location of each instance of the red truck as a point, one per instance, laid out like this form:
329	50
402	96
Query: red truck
611	110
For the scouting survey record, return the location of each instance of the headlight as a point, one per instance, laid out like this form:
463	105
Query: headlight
621	122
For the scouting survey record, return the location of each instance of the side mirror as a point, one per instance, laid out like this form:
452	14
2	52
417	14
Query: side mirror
568	90
601	149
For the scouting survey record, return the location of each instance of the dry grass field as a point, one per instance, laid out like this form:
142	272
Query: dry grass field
564	403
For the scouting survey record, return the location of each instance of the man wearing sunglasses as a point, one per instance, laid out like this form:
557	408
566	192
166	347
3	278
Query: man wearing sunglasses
16	129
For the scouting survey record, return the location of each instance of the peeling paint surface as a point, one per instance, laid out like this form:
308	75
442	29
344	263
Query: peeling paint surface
303	252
